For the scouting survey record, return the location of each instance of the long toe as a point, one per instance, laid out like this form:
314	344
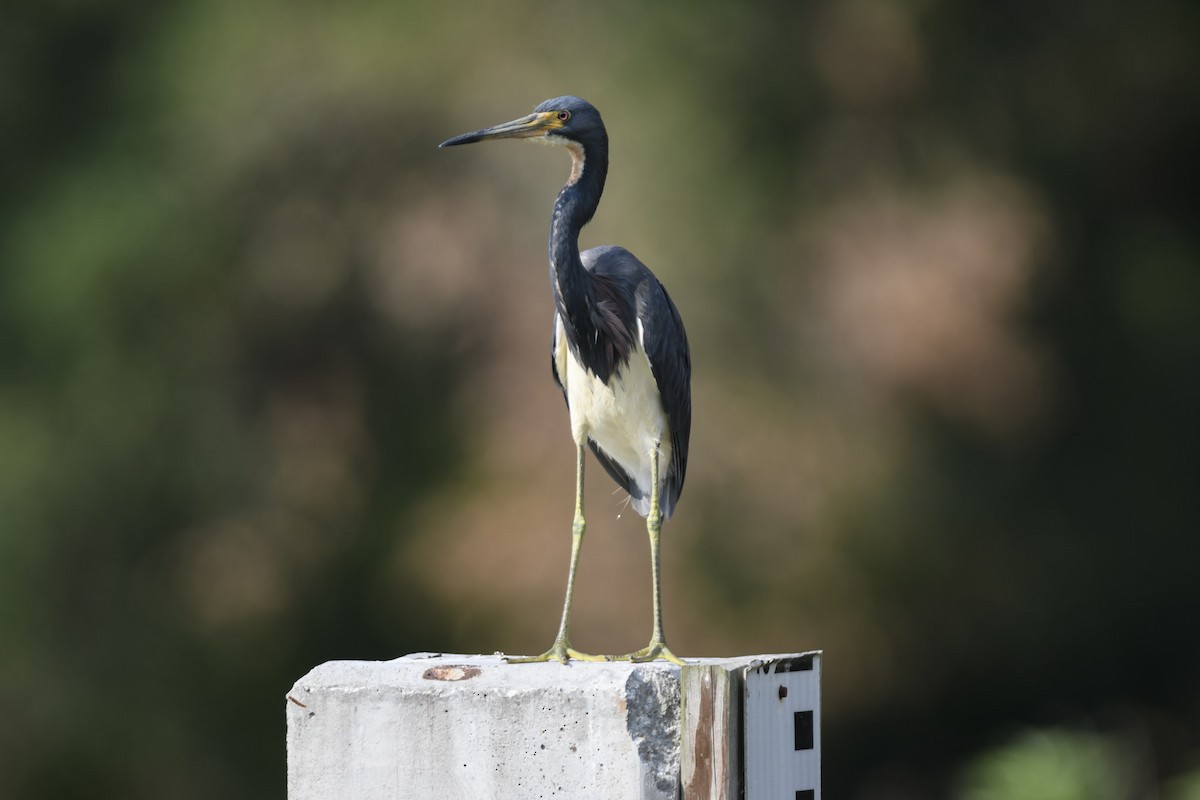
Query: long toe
561	652
549	655
653	652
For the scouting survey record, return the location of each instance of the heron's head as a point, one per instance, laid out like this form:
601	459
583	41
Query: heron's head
561	120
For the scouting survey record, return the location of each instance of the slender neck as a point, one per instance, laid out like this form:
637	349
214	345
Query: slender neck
573	209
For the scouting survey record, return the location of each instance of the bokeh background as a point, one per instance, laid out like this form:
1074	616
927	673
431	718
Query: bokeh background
274	380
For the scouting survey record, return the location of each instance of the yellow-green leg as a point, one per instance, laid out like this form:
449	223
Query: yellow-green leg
561	650
658	643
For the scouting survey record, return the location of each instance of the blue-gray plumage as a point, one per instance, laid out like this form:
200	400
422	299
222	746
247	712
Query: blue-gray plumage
619	352
634	316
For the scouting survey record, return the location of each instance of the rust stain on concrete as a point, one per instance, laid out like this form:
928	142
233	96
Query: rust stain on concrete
450	673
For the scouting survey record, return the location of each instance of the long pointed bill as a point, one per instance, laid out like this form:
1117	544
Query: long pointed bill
538	124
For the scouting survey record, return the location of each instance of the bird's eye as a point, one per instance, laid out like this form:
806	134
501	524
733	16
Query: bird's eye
563	116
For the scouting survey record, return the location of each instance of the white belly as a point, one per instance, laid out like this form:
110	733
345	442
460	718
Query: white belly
625	419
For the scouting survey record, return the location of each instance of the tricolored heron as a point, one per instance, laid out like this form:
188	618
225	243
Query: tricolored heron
619	352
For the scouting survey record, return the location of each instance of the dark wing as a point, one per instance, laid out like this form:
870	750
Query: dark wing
665	343
618	474
554	357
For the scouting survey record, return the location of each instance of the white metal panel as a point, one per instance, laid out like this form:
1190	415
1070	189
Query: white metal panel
783	728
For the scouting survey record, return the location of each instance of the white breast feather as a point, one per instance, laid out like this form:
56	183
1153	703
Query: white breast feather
624	419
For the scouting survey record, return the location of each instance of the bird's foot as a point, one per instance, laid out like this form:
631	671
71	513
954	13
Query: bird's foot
561	652
652	652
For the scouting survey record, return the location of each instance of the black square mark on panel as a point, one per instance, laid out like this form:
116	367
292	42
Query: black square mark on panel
804	730
806	794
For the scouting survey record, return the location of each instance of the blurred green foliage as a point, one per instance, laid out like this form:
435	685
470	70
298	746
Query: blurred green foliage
1051	765
1186	787
273	386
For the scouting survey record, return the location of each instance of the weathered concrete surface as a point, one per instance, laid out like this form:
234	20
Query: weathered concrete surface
476	727
456	726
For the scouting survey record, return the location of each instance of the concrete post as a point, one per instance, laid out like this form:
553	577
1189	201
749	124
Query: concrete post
455	726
